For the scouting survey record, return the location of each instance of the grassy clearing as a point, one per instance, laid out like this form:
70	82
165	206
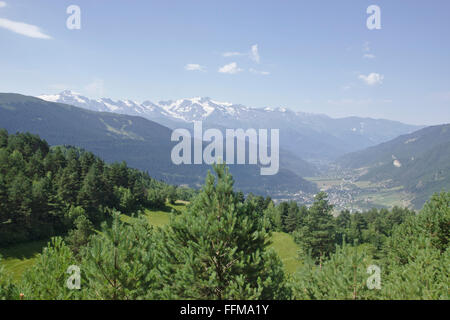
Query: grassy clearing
160	218
18	258
287	250
157	218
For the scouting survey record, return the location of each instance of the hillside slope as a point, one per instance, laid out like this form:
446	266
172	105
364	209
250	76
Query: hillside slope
420	162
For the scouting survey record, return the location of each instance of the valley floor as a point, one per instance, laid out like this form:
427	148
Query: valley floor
346	193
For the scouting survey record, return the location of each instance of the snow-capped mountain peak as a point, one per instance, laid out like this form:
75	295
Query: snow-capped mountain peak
188	109
192	109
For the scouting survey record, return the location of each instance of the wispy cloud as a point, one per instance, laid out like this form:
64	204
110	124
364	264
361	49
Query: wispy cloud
254	55
194	67
263	73
369	56
233	54
230	68
366	49
2	4
24	29
372	79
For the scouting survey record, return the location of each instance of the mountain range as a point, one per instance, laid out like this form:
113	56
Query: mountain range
139	133
142	143
313	137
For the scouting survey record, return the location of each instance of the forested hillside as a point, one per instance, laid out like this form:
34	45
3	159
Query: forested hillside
219	247
45	191
419	162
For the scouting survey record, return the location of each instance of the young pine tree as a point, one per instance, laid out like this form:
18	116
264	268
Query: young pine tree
80	235
47	278
218	248
121	262
8	290
342	276
293	219
317	235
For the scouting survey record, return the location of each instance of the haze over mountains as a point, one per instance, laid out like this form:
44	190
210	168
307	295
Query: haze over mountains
312	137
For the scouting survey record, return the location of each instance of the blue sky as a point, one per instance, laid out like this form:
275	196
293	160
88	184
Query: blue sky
311	56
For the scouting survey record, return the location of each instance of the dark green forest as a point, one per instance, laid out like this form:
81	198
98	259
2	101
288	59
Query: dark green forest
44	191
218	248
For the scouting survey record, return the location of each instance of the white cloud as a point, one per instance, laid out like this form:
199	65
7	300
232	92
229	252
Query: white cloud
369	56
194	67
263	73
2	4
24	29
95	88
233	54
372	79
230	68
254	55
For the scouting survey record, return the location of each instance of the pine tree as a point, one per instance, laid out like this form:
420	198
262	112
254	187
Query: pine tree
425	275
272	214
93	193
283	208
47	278
3	138
357	225
318	232
293	219
218	248
79	237
122	262
171	192
342	276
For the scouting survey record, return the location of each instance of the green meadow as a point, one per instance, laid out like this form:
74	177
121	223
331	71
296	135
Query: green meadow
17	258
